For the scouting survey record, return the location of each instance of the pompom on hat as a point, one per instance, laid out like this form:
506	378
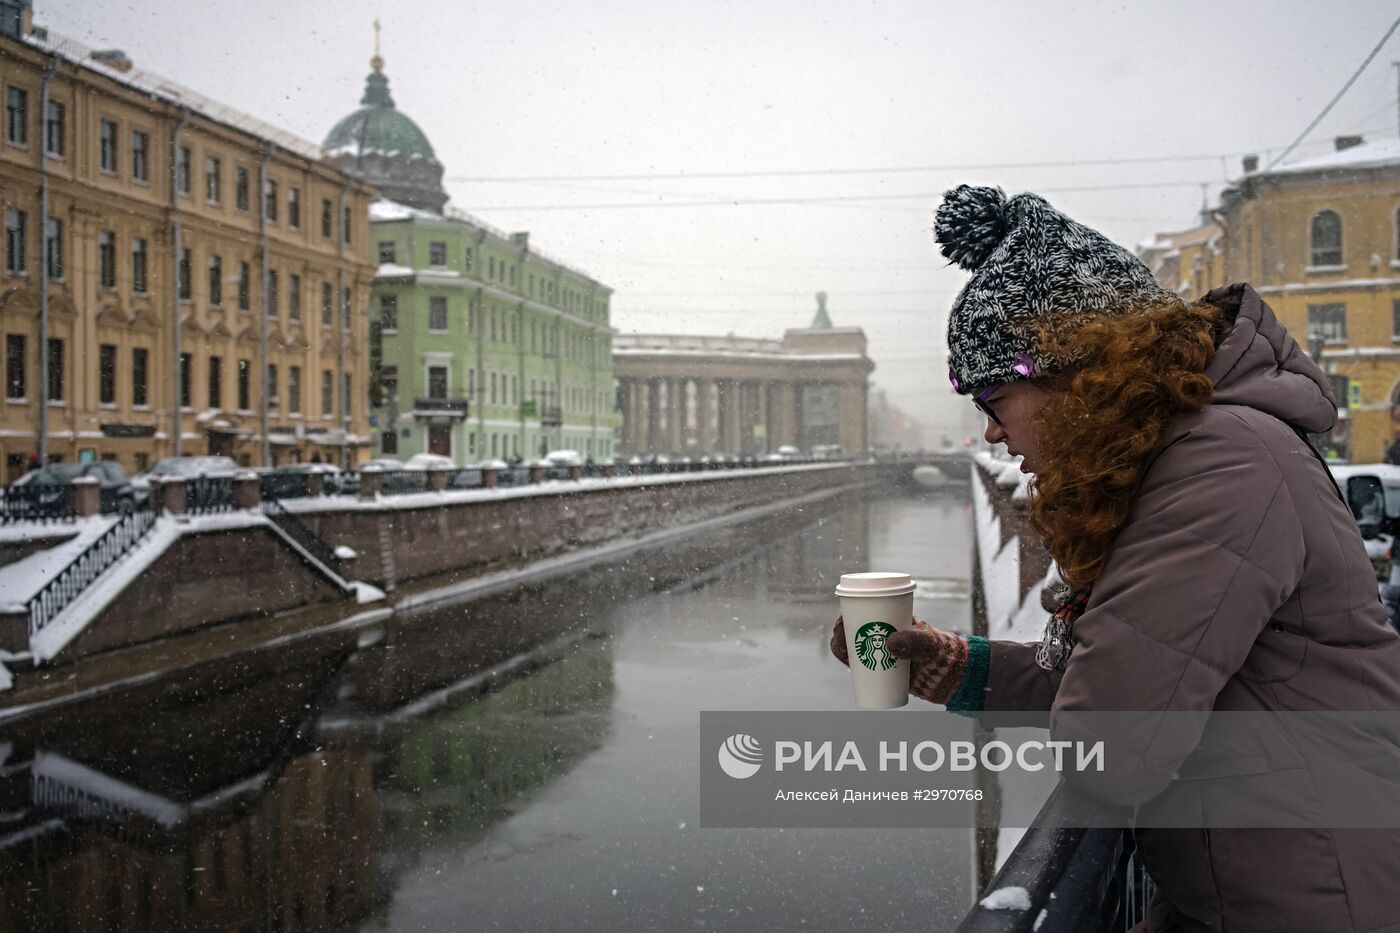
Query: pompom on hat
1027	260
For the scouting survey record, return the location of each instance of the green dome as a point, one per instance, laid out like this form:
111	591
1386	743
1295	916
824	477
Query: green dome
377	127
383	146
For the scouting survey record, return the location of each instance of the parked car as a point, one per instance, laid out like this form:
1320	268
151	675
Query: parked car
1373	492
118	493
383	463
429	462
563	458
185	468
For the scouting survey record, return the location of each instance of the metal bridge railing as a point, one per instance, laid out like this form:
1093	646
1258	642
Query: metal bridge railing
34	502
305	538
207	495
1082	880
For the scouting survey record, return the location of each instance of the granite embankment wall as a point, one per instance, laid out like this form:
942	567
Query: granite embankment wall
420	541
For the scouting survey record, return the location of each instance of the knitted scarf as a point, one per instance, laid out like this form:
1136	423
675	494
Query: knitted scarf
1057	644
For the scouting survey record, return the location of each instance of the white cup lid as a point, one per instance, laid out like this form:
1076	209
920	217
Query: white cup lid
875	583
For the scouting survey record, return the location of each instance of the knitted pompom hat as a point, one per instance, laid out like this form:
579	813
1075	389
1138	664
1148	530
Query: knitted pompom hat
1027	260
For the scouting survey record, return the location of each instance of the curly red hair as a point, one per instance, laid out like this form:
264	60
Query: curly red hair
1132	375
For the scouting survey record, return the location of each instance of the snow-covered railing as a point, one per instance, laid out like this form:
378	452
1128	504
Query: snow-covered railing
304	537
206	495
70	582
35	502
1061	879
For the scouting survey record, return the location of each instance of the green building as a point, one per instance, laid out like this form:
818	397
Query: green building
481	347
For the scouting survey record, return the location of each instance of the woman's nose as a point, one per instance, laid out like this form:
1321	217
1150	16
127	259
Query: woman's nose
995	433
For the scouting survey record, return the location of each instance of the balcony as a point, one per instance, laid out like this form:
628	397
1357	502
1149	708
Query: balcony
551	417
454	408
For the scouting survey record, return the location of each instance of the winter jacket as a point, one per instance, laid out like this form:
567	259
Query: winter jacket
1240	582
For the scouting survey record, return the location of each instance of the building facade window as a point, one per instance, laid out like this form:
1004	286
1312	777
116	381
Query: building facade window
186	371
106	259
389	313
1329	321
294	297
240	188
53	243
274	303
437	382
216	281
17	116
16	239
140	376
294	390
270	200
216	381
327	393
437	313
437	254
1395	319
213	180
15	376
55	129
388	442
107	374
346	399
56	379
388	251
327	305
294	208
183	274
345	219
245	388
140	156
182	170
138	265
1326	239
326	218
345	308
107	146
469	259
272	396
245	286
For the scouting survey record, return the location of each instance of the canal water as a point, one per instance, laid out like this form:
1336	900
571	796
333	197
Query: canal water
526	761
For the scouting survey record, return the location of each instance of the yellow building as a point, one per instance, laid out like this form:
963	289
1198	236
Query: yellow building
1190	262
207	274
1320	240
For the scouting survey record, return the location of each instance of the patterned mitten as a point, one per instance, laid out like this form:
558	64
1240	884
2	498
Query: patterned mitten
937	659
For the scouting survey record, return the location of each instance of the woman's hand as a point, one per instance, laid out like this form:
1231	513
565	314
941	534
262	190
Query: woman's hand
937	659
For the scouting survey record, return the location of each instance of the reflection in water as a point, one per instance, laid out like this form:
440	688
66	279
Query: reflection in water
409	787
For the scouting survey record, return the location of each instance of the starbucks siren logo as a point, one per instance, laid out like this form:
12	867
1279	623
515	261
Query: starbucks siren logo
741	756
871	648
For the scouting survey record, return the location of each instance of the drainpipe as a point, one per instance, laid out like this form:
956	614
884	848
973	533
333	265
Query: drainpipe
520	368
176	421
341	328
266	302
477	392
44	262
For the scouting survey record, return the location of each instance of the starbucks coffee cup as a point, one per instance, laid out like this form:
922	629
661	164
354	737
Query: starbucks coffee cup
874	607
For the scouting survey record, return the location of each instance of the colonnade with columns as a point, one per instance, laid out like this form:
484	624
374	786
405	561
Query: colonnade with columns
701	415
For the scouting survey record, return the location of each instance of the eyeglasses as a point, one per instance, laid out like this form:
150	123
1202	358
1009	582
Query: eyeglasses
980	400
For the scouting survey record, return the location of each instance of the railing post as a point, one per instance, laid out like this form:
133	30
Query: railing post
85	496
489	475
371	482
536	473
437	479
609	471
247	490
575	472
172	496
315	483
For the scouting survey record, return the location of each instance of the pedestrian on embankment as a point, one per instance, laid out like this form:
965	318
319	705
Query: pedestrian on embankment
1213	565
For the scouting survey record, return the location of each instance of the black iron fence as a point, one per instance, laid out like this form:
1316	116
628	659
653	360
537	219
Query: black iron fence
34	502
206	495
304	537
285	485
401	482
467	478
71	581
1076	880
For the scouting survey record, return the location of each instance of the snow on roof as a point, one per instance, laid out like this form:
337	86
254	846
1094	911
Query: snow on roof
161	87
1374	154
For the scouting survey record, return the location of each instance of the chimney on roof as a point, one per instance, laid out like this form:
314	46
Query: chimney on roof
1251	164
521	239
112	58
1349	142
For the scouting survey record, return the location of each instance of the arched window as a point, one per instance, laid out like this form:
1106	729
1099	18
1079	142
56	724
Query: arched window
1326	239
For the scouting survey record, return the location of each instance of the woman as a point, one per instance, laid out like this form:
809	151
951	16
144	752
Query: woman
1212	562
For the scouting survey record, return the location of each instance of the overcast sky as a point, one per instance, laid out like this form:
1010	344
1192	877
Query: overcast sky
958	91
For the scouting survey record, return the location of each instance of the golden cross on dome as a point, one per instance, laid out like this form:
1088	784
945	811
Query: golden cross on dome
376	62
